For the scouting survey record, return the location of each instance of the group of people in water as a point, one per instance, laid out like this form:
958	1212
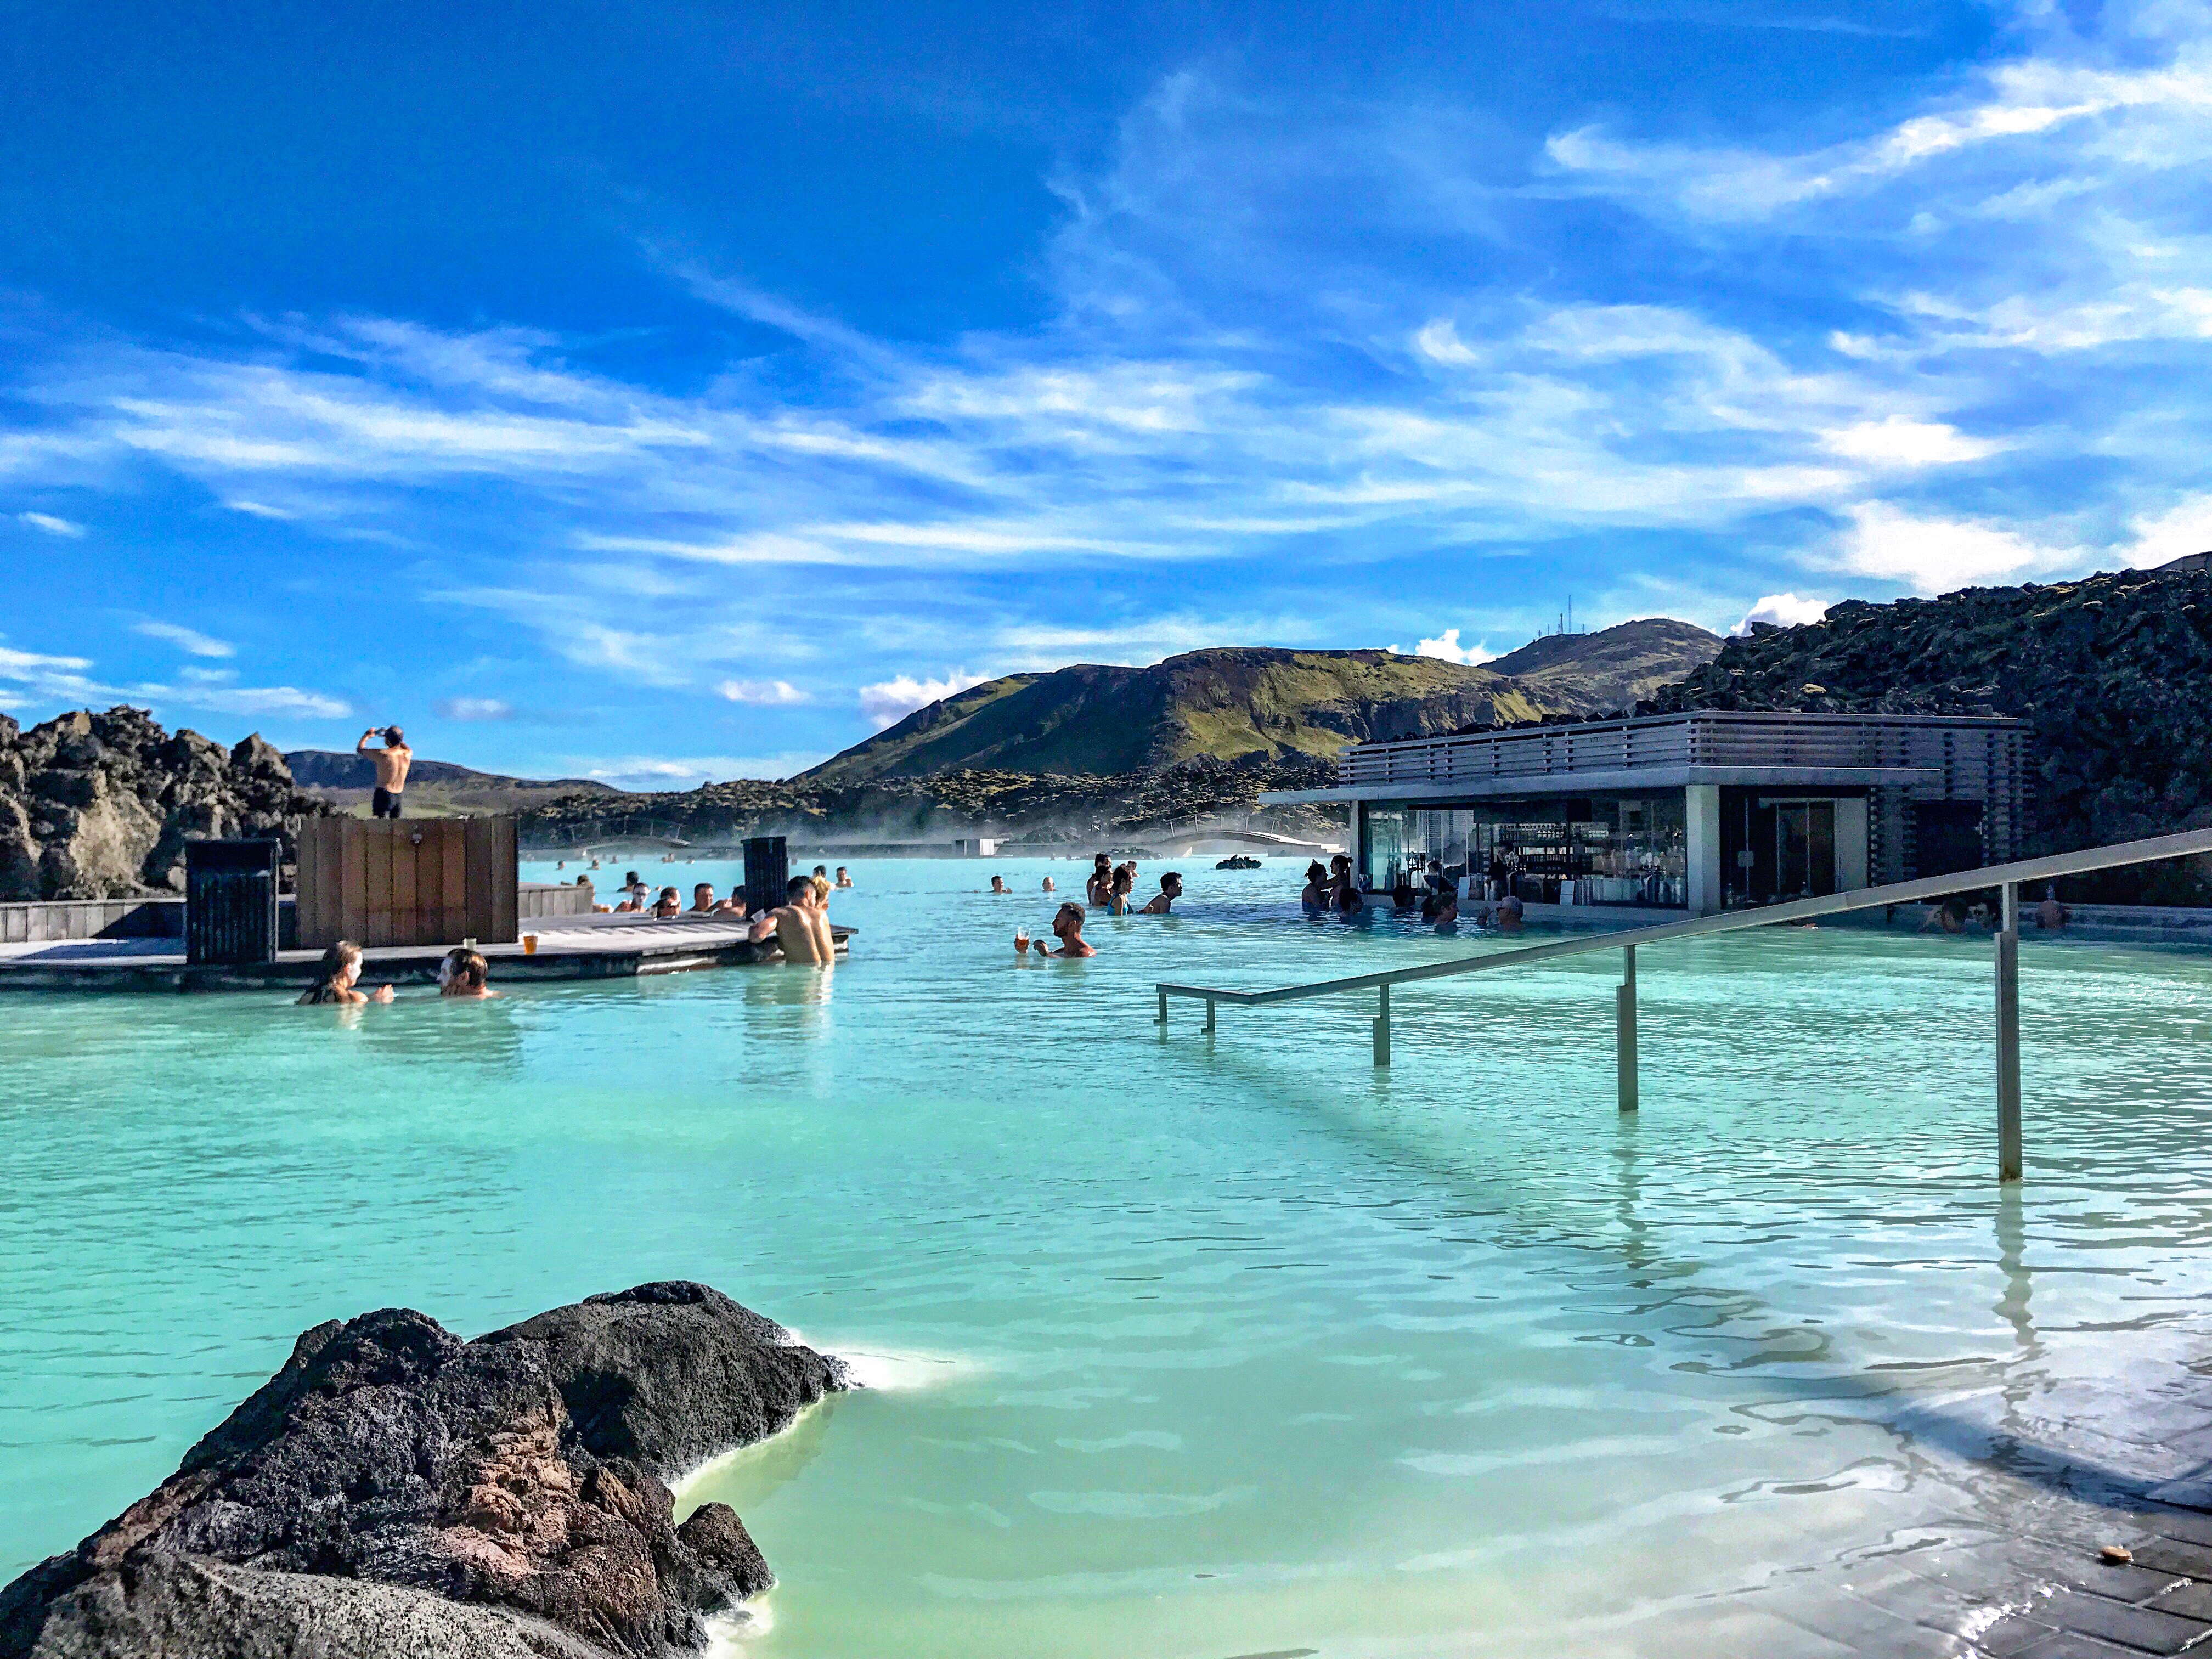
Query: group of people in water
1110	888
1332	889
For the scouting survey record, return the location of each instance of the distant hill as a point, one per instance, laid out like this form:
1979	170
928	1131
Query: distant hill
434	788
1595	673
1238	700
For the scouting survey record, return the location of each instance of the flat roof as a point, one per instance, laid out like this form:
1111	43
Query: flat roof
1626	780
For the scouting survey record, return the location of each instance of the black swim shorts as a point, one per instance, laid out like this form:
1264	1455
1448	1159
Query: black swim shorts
384	803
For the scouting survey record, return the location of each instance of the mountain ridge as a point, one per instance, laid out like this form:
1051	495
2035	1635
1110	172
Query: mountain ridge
344	779
1270	702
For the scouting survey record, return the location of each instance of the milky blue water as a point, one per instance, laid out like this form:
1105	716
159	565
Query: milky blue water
1194	1346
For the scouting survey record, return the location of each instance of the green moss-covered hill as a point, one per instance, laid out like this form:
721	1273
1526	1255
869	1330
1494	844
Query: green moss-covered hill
1253	701
2113	674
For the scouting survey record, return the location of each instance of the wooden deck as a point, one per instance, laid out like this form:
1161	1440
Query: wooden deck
568	947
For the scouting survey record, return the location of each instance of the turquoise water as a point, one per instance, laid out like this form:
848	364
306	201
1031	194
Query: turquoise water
1190	1346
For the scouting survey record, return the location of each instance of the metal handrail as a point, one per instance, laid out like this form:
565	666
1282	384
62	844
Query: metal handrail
1863	898
2006	877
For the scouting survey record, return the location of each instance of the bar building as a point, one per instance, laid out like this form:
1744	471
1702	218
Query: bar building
1697	812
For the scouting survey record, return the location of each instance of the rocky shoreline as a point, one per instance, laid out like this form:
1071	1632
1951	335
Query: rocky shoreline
1189	797
395	1492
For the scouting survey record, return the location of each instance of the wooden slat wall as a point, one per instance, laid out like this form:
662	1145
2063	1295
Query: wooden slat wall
454	880
423	881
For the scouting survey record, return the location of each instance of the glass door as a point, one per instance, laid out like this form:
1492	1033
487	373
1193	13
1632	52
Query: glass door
1805	849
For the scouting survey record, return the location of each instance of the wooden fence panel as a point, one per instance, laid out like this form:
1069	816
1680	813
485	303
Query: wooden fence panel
421	881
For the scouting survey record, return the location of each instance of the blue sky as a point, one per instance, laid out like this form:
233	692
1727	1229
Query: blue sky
665	391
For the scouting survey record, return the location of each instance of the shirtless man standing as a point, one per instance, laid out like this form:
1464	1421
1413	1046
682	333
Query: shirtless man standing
798	925
392	763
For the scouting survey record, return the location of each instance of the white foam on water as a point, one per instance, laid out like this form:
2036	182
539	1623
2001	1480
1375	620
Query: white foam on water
896	1371
882	1370
729	1634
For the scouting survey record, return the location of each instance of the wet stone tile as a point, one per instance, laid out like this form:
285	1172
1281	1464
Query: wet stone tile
2164	1555
2065	1644
2145	1628
2189	1600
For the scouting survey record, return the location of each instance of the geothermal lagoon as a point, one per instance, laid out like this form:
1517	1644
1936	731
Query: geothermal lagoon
1203	1346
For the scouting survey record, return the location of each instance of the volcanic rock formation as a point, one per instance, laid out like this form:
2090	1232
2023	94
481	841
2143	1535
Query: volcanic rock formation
395	1492
100	806
2112	673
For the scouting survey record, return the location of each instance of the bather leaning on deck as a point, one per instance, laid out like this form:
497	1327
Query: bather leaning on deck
799	925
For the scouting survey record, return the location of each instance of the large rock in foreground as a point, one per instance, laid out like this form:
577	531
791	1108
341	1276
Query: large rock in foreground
394	1491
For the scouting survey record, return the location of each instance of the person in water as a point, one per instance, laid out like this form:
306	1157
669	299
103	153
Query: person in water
335	983
1441	908
1118	890
1100	887
1163	901
467	980
669	905
843	880
1067	928
1049	887
2051	913
797	924
391	762
1314	897
998	884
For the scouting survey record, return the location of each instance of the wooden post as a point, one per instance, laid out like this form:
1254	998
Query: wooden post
1163	1009
2007	953
1624	1029
1209	1016
1382	1026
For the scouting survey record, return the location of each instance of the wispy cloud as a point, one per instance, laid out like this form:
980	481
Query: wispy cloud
51	524
770	694
187	639
474	708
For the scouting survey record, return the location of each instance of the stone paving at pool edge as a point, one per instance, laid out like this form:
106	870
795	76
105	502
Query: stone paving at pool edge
2082	1607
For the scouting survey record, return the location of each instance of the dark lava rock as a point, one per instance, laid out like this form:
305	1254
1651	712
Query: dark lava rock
396	1490
100	806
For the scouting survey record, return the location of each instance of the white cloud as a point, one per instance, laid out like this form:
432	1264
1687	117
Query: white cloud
50	524
2182	529
260	510
1897	441
1446	647
192	639
474	708
1936	555
891	700
1783	610
766	693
